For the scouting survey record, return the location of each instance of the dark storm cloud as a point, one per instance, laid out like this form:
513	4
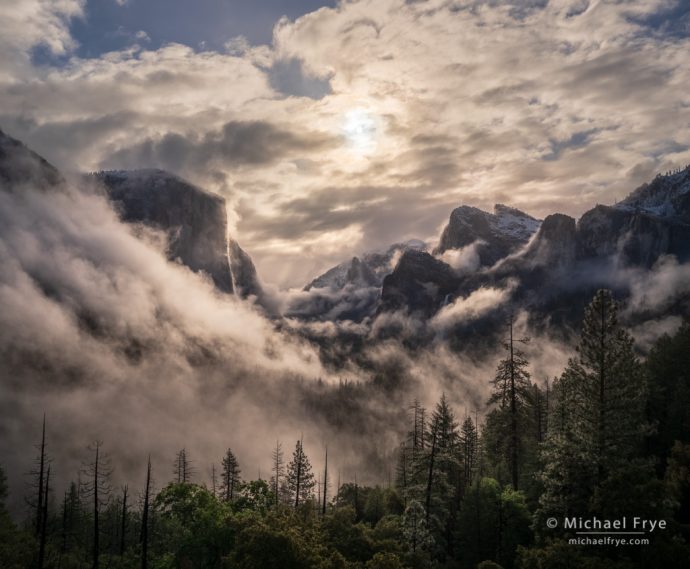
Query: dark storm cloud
236	144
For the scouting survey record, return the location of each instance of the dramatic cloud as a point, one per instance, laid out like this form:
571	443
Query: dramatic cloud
475	305
546	106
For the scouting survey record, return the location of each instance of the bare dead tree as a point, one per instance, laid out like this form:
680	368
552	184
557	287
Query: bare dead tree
144	538
123	521
44	522
97	489
325	486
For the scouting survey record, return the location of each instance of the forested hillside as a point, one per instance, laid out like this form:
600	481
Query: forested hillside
607	439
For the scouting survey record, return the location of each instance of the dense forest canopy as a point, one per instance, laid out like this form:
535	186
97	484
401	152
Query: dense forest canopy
607	439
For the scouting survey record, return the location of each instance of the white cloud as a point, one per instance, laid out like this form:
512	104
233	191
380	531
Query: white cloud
554	110
475	305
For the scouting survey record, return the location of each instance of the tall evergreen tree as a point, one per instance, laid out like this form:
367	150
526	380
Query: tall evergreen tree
511	394
594	446
300	479
230	477
469	451
123	521
278	469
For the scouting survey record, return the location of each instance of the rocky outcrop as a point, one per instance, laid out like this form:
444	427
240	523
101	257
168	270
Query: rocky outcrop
194	220
370	269
555	244
21	167
419	283
500	233
244	275
359	274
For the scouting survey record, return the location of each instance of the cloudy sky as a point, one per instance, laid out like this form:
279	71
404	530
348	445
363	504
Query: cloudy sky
337	127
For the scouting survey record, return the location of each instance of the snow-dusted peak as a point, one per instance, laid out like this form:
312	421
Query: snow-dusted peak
513	222
500	233
376	265
663	196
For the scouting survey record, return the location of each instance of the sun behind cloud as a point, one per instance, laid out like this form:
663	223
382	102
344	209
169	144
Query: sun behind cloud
362	130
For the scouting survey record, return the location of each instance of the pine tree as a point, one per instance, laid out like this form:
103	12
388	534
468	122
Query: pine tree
402	479
300	479
469	450
230	477
278	469
71	510
182	468
594	443
511	394
123	521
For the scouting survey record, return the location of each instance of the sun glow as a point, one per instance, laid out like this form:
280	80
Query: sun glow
361	129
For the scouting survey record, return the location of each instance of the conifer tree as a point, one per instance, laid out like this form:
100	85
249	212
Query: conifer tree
300	479
182	468
230	477
278	469
511	394
123	521
594	443
469	449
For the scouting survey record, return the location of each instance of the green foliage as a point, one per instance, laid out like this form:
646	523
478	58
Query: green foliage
668	407
278	541
493	522
230	481
194	525
16	547
255	495
384	561
454	504
300	478
593	461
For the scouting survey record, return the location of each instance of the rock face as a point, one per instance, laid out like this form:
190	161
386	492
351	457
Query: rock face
653	221
350	290
244	275
194	220
501	233
419	283
21	167
554	245
563	264
370	270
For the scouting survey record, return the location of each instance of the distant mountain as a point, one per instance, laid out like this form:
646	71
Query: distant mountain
559	268
550	268
350	290
667	195
194	220
20	166
369	271
498	234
